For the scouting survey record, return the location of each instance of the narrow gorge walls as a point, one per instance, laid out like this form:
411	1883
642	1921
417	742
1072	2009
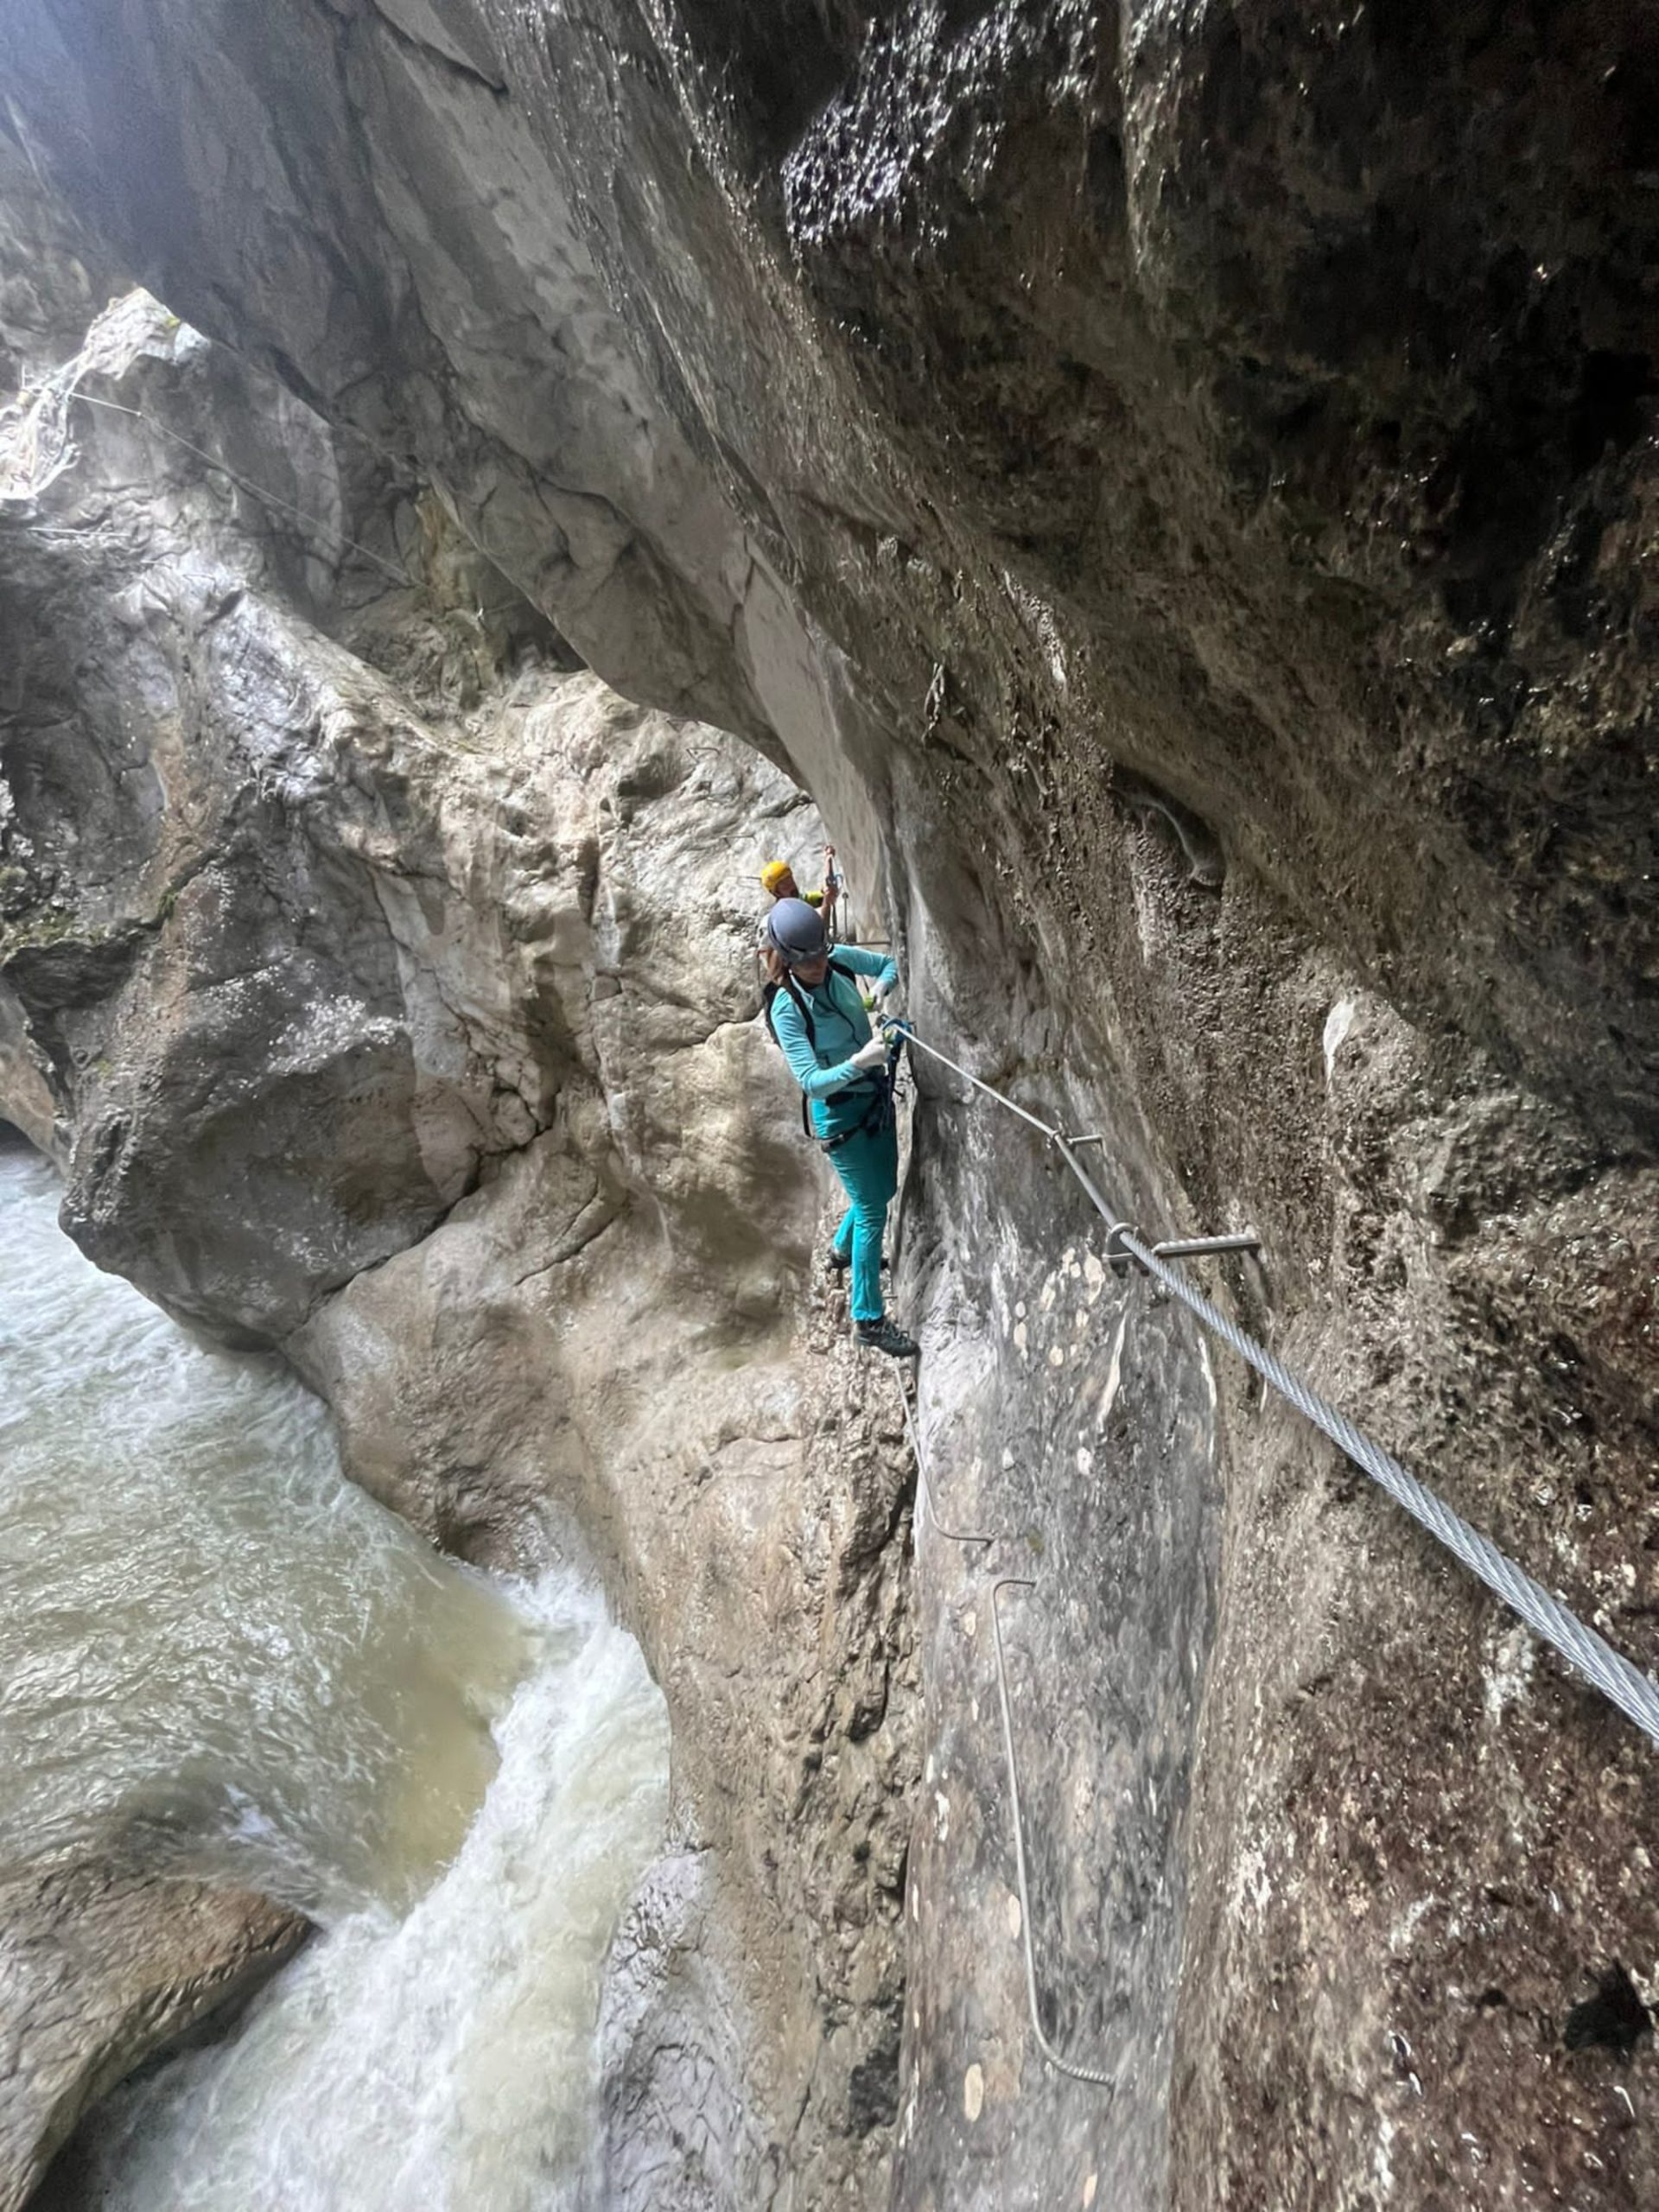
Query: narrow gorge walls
386	986
1174	485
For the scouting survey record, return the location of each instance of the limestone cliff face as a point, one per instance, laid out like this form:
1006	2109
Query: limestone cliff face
387	990
1175	485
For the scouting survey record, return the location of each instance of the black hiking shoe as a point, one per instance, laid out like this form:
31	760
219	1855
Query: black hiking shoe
886	1336
836	1264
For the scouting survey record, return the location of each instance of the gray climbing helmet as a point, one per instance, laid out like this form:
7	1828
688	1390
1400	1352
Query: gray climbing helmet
797	932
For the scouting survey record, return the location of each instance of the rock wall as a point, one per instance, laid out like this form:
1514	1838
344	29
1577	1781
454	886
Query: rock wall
386	990
1173	483
100	1964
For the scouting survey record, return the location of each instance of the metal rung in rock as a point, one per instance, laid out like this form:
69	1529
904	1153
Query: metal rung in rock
1177	1247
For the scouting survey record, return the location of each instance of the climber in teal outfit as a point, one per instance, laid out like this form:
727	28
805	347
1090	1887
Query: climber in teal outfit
818	1017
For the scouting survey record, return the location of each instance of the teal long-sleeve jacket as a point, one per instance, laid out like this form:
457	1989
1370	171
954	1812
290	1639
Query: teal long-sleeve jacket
841	1026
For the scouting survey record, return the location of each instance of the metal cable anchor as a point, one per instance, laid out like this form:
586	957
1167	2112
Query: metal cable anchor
1120	1258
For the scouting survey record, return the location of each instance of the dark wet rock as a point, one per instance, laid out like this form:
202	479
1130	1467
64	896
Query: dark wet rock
1615	2018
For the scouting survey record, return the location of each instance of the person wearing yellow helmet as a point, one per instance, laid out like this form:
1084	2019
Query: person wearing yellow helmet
778	879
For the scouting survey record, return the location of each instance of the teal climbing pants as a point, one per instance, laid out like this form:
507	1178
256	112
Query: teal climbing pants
867	1164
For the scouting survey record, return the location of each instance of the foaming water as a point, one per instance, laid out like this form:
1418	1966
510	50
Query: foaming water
444	2063
217	1652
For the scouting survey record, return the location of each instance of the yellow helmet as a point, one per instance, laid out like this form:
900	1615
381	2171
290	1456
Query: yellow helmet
774	874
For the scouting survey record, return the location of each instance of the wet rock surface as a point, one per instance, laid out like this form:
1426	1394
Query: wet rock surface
100	1965
1174	484
570	1311
1090	1607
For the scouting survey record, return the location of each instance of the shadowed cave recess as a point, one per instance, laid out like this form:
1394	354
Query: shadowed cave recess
1171	491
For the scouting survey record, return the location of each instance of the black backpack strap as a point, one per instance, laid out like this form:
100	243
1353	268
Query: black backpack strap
787	983
801	1007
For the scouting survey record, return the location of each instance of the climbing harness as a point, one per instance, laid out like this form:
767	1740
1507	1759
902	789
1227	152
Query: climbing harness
876	1116
881	1086
803	1009
1622	1684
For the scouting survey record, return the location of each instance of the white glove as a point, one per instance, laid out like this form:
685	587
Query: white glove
873	1055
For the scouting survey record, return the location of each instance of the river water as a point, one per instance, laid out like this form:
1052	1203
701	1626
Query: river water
212	1642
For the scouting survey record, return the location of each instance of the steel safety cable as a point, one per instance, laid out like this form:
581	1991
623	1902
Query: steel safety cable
254	491
1016	1810
1042	1128
1624	1684
923	1485
1055	2058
